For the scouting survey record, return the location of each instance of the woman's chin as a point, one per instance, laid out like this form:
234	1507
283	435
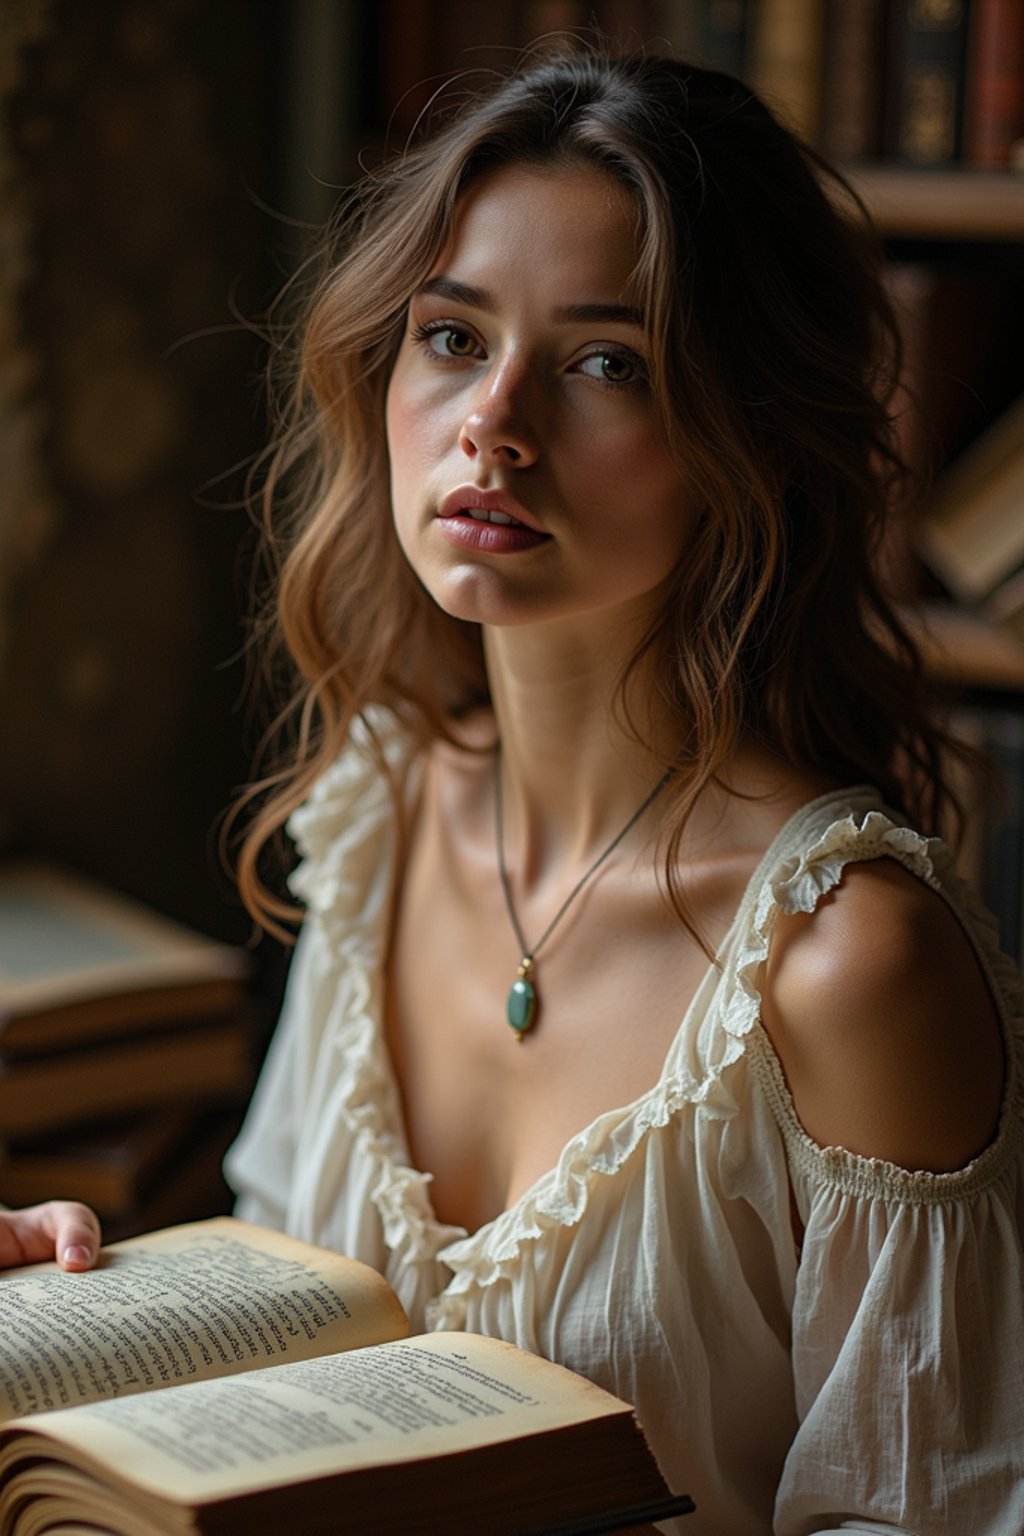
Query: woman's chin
479	596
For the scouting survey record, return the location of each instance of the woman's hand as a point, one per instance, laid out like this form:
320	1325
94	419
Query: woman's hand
59	1229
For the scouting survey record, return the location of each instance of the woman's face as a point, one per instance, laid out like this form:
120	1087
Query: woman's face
530	475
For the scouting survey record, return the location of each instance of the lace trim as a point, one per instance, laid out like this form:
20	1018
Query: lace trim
798	889
366	1103
345	834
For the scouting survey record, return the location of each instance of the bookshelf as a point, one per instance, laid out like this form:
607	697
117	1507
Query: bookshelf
965	217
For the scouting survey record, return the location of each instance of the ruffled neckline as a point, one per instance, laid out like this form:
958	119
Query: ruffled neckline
346	834
695	1072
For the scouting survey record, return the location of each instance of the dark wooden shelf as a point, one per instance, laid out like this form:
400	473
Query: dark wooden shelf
960	648
942	205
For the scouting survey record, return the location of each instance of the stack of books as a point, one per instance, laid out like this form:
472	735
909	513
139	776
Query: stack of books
126	1052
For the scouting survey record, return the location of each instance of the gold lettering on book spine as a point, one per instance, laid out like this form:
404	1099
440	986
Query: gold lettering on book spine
929	120
936	14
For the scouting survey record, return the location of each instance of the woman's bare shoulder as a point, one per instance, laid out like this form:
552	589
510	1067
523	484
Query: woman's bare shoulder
882	1019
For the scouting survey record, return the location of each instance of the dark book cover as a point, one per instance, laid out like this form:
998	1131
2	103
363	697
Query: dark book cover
720	28
853	79
406	62
627	24
1003	859
994	134
928	56
784	61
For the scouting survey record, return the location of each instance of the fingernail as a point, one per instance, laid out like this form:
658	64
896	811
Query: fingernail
75	1255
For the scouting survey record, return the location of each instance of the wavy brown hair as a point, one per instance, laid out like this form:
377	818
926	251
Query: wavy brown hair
774	356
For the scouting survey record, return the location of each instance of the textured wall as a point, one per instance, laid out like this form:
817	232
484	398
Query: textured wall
135	139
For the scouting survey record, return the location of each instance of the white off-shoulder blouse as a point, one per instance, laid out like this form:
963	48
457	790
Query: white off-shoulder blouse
874	1381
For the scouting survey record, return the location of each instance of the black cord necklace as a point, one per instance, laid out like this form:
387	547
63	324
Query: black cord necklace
523	1002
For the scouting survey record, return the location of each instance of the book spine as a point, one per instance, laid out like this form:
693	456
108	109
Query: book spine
1006	607
851	79
994	135
678	24
1003	874
928	52
41	1096
627	23
473	41
785	60
723	31
405	62
548	18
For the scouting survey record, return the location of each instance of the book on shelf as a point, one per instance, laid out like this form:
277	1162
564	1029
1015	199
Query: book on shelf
222	1378
972	533
1002	856
927	64
994	131
963	648
952	312
80	964
784	59
626	23
543	19
1005	607
989	841
473	40
712	33
190	1188
194	1066
851	79
115	1166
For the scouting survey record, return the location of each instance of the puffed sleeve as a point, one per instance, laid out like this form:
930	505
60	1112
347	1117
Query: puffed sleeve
344	835
907	1322
260	1165
908	1344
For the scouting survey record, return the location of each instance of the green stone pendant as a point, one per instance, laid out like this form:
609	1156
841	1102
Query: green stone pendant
521	1009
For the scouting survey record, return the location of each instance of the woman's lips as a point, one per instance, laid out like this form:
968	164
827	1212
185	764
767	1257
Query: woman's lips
488	521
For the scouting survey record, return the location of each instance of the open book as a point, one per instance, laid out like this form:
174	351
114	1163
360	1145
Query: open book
221	1378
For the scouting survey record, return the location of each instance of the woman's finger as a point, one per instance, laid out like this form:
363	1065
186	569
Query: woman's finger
64	1230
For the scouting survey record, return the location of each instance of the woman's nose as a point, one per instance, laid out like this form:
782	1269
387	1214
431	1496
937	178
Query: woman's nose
496	427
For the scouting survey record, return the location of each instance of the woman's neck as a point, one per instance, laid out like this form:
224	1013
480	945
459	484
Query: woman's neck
572	772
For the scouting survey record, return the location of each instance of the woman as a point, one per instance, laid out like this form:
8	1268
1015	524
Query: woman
588	455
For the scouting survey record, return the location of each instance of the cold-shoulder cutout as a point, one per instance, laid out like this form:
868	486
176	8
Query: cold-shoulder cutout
883	1022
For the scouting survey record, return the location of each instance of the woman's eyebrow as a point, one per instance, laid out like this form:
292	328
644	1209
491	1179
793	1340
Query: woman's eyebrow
610	314
573	314
458	293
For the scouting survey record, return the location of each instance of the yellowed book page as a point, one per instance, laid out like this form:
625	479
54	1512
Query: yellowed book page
210	1299
401	1402
52	1498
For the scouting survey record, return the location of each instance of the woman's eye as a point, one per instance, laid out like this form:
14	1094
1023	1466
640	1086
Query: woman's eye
447	341
612	368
